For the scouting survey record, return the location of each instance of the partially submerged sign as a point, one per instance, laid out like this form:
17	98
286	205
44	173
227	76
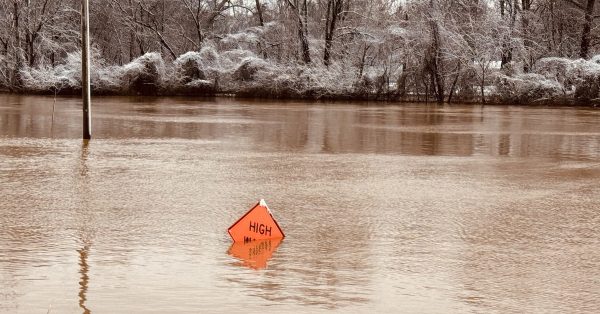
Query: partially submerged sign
257	224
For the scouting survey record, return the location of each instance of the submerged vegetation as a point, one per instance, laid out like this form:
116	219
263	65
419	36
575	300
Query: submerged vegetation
440	50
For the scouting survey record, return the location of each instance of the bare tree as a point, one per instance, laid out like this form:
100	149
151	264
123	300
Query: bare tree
145	14
370	48
302	17
334	10
588	11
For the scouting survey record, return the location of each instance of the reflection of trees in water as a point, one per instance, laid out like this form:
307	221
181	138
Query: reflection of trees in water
416	129
363	129
422	130
27	116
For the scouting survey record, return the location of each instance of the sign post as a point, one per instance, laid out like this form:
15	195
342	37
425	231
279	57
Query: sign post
85	69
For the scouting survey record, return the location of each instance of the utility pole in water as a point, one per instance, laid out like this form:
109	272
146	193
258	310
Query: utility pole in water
85	69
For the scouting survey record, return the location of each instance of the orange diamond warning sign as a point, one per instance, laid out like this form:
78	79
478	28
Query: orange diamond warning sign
256	224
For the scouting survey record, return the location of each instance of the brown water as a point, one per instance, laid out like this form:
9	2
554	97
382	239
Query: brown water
387	209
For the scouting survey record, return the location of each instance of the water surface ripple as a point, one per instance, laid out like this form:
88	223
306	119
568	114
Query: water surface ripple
387	209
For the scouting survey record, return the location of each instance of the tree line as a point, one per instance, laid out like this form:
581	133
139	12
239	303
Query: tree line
442	50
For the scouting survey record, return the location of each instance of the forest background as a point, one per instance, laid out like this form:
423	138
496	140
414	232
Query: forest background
508	51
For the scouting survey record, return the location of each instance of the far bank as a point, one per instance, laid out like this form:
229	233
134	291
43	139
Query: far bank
552	82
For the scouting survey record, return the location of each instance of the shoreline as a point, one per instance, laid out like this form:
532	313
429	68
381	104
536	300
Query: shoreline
550	103
554	82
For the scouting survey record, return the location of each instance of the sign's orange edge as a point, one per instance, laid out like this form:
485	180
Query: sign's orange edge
248	212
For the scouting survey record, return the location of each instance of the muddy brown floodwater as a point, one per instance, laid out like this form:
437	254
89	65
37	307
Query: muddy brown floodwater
411	208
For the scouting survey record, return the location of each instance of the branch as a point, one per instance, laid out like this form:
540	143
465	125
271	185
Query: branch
194	17
238	6
143	8
354	12
293	6
575	4
218	9
296	12
354	31
187	38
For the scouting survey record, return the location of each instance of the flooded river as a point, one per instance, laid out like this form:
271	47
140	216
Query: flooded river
387	209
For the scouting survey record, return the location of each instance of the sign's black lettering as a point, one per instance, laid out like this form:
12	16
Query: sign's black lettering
260	229
253	226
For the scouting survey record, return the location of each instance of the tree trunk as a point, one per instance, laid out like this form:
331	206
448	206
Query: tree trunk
305	14
327	43
302	29
401	83
303	33
454	84
506	54
131	46
587	26
6	66
482	86
334	8
200	35
53	54
436	65
17	82
426	90
261	21
303	42
363	59
526	6
166	45
260	14
31	55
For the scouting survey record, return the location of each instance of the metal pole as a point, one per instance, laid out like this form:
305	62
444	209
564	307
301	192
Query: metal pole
85	69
